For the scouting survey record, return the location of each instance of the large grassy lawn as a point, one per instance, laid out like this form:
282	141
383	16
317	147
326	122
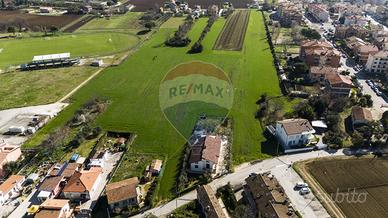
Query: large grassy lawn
16	51
126	21
20	89
133	90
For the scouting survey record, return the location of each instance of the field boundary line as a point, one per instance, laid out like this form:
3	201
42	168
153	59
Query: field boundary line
80	85
323	197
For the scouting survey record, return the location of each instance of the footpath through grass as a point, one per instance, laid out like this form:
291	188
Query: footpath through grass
18	51
133	90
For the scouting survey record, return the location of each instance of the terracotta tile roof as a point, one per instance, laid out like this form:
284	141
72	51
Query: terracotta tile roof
196	150
48	214
209	201
296	126
123	190
54	203
82	181
368	48
50	183
70	169
336	79
381	54
359	113
315	43
10	183
323	70
212	148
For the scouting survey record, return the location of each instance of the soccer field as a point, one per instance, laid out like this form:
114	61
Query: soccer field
18	51
133	89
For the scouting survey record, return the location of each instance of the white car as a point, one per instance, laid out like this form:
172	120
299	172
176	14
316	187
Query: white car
300	185
304	191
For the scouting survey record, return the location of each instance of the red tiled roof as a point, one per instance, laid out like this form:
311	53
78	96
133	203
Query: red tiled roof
212	148
123	190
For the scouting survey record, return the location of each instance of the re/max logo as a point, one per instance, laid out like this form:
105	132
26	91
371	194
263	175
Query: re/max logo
193	88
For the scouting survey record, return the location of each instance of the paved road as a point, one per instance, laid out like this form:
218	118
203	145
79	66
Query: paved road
308	206
22	208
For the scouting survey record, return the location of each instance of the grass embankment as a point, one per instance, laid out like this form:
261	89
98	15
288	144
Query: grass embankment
133	90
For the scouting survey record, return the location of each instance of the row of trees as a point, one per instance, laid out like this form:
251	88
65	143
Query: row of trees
180	39
198	47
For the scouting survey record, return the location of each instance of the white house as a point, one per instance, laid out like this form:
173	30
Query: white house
11	187
377	62
205	154
294	132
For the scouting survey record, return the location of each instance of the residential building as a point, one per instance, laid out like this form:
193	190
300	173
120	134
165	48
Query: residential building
69	170
364	51
361	116
209	203
288	13
338	84
345	31
266	197
50	188
355	19
11	188
319	73
8	153
54	208
353	43
294	132
319	12
319	53
377	62
124	193
82	185
205	154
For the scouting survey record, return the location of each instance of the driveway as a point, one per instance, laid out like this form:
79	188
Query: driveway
308	206
108	167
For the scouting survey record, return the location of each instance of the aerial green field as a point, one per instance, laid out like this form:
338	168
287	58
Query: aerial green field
126	21
44	86
133	90
17	51
173	22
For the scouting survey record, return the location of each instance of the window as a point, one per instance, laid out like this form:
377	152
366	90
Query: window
208	166
196	166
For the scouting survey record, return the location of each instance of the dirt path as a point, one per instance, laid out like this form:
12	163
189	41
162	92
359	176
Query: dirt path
319	192
80	85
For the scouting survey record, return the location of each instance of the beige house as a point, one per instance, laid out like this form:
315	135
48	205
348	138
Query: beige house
124	193
8	153
54	208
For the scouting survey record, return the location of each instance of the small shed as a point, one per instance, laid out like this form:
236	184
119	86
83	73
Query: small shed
32	178
319	126
74	157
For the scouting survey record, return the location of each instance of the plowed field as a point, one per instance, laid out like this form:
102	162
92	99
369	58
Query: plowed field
233	33
366	177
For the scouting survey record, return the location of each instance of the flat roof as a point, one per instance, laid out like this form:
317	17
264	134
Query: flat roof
51	56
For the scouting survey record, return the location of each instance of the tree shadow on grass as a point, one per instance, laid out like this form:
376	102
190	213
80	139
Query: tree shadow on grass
271	147
142	32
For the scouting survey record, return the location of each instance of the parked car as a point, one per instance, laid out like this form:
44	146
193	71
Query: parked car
300	185
304	191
